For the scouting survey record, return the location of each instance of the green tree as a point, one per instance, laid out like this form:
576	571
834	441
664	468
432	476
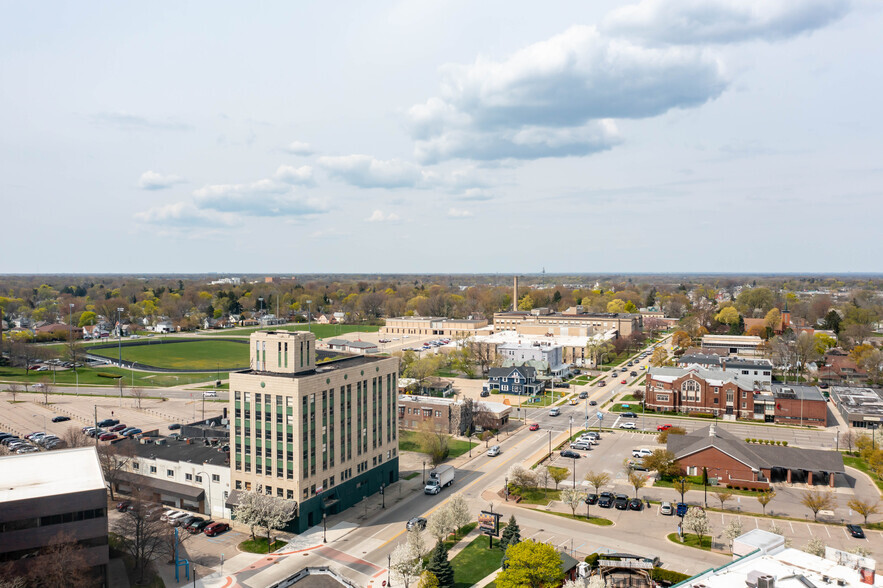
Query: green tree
526	302
616	305
427	580
659	357
630	307
87	318
439	565
728	316
511	534
816	501
559	475
832	321
662	461
531	564
765	498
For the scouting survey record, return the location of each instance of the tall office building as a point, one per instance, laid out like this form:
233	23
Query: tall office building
313	426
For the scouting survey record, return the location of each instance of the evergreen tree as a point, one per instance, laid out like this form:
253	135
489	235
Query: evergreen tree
511	534
439	565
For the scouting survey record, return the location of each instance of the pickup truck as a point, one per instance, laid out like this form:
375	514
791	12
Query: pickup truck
439	478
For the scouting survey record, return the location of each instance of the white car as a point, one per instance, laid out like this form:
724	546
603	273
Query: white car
643	452
493	451
627	425
209	394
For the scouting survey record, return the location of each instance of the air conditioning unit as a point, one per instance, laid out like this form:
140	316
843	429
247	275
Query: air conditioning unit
159	442
766	582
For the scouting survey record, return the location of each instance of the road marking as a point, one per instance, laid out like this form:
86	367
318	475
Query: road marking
790	525
826	530
808	528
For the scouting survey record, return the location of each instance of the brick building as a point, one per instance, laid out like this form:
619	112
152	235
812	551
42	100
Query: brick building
732	462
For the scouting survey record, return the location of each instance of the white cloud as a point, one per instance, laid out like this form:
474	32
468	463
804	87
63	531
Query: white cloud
554	98
298	148
302	176
378	217
366	171
260	198
185	214
684	22
459	213
151	180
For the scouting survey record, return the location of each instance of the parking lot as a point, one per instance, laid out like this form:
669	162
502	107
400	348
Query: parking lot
28	414
614	448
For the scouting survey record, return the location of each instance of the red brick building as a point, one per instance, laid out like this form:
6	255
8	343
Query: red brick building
737	464
696	389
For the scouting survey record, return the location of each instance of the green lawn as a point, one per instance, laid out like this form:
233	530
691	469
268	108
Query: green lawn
90	377
190	355
691	540
537	496
321	331
259	545
411	476
860	464
593	520
711	490
632	407
456	537
475	562
409	441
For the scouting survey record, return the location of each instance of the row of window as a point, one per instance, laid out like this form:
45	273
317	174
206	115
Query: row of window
57	519
170	473
35	551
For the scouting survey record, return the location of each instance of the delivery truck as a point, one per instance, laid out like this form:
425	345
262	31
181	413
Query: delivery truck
439	478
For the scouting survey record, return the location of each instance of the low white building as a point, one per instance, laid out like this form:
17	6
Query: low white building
761	560
550	356
183	474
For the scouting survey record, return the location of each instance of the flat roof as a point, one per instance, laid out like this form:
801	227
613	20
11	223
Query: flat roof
171	449
507	337
337	362
50	473
799	392
735	339
858	400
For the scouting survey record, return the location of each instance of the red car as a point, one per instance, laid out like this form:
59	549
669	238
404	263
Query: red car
663	427
107	437
623	382
216	529
535	427
116	428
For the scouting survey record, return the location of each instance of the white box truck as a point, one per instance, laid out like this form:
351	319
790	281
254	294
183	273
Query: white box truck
439	478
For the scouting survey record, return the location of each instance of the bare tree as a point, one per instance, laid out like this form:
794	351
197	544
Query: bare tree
13	389
73	437
115	459
138	394
433	443
62	563
847	439
142	536
637	481
542	475
47	388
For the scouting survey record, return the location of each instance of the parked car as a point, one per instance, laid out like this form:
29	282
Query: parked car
60	419
592	498
605	500
216	529
199	526
637	465
665	427
633	373
184	521
191	524
124	505
623	382
108	437
493	451
485	393
855	531
621	502
175	519
166	514
642	452
118	428
583	395
593	403
570	454
534	427
130	432
666	509
174	426
108	422
418	523
581	445
628	425
636	504
629	415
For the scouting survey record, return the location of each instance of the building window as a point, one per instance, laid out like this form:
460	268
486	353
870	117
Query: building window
135	465
152	469
188	476
289	494
199	478
238	484
170	473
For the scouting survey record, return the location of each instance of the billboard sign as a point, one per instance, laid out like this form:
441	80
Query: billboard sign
489	522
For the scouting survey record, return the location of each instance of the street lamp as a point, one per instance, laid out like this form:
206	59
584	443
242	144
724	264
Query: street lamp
571	427
120	348
324	527
388	569
424	472
382	495
507	488
550	442
209	487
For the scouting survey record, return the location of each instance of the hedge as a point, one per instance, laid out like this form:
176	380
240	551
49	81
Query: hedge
667	577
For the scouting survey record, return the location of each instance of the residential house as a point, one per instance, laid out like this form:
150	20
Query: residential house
521	380
839	370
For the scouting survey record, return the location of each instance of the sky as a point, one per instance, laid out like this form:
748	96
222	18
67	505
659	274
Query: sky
434	137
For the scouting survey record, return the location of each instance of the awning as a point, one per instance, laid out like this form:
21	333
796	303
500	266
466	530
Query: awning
162	486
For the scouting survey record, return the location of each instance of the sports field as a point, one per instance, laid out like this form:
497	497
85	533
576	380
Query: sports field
99	377
186	355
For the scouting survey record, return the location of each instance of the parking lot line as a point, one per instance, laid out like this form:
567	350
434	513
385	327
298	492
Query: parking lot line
826	530
790	525
808	528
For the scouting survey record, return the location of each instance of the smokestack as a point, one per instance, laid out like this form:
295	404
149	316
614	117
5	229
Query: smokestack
515	295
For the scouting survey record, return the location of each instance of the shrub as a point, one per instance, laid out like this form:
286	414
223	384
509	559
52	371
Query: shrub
747	440
785	443
667	577
592	559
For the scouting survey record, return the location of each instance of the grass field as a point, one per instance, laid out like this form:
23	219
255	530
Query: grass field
409	441
475	562
90	377
190	355
259	545
321	331
691	540
593	520
860	464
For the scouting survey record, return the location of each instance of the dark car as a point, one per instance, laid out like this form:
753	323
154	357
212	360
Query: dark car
485	393
633	373
60	419
569	454
583	395
592	403
418	523
605	500
592	499
621	502
193	522
184	521
215	529
174	426
108	422
123	506
636	504
199	526
130	432
637	464
855	531
629	415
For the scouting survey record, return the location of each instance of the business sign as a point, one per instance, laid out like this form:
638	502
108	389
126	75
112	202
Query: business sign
489	522
600	416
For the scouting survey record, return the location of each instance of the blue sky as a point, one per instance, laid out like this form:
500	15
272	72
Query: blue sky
634	136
